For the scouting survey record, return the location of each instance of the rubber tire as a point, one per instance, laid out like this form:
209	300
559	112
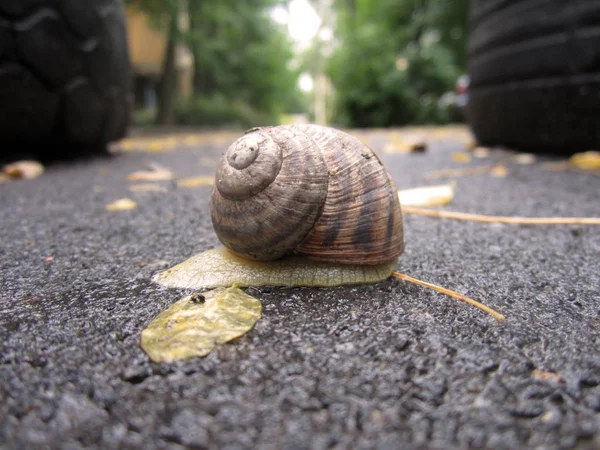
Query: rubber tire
534	68
65	77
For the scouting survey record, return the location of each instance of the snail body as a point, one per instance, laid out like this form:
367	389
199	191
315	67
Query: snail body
306	190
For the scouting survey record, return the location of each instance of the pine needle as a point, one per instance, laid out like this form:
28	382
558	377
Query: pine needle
503	219
453	294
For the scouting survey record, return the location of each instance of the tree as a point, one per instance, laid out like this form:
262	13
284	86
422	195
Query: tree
396	59
242	61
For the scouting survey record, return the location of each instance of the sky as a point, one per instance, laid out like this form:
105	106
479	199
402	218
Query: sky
302	20
303	23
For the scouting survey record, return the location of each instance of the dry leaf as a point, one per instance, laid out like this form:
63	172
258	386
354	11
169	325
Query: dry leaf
194	325
481	152
542	375
448	173
23	170
499	171
147	187
196	181
123	204
427	196
396	148
156	173
525	159
461	157
220	267
586	160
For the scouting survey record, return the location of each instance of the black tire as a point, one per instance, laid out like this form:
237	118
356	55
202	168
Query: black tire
65	77
534	67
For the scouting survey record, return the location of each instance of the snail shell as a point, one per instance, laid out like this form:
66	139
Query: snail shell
309	190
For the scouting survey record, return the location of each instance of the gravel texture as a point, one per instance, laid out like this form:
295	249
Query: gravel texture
391	365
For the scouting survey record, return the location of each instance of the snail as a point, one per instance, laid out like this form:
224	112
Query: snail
306	190
300	205
297	205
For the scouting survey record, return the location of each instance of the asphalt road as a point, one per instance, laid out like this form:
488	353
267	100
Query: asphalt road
386	366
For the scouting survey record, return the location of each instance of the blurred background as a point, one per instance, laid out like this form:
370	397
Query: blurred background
347	63
523	74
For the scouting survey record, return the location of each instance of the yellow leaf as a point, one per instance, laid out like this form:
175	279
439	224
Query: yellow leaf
123	204
499	171
461	157
196	324
156	147
525	159
156	172
147	187
196	181
427	196
220	267
481	152
586	160
23	170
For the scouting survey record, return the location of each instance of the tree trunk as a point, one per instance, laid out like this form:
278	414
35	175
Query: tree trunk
168	82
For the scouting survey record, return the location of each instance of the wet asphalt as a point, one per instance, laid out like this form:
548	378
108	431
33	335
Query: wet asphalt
386	366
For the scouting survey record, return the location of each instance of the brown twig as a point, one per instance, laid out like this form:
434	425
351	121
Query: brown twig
503	219
453	294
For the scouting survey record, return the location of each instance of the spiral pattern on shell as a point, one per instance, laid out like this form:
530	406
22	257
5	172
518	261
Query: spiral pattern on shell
306	189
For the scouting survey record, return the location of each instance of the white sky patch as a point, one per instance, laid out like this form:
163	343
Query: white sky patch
305	82
302	21
280	14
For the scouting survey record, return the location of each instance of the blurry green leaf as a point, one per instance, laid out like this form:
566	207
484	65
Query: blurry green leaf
196	324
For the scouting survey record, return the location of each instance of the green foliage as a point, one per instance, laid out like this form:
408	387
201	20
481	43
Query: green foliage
219	110
243	55
242	60
396	60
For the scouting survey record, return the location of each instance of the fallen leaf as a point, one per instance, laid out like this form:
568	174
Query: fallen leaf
23	170
156	173
542	375
220	267
191	140
499	171
196	181
481	152
396	148
470	142
156	147
525	159
461	157
427	196
450	173
146	187
196	324
123	204
586	160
